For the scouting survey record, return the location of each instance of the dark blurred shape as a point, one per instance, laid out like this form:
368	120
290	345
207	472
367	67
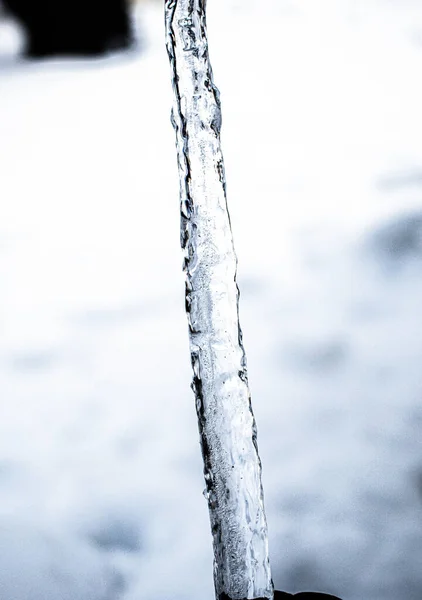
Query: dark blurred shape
117	534
401	238
73	27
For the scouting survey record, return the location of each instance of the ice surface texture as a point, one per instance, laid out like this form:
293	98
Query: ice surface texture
227	427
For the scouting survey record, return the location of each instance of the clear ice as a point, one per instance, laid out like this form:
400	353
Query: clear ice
232	466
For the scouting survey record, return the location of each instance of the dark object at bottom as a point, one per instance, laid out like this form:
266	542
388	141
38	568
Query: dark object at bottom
75	28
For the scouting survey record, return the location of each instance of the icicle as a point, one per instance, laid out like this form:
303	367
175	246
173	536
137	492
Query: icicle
227	427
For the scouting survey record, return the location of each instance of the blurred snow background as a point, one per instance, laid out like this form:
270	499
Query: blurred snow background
100	470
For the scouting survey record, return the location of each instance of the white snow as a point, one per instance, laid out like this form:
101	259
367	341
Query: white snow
100	469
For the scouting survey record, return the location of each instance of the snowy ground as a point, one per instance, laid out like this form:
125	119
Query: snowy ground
100	472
